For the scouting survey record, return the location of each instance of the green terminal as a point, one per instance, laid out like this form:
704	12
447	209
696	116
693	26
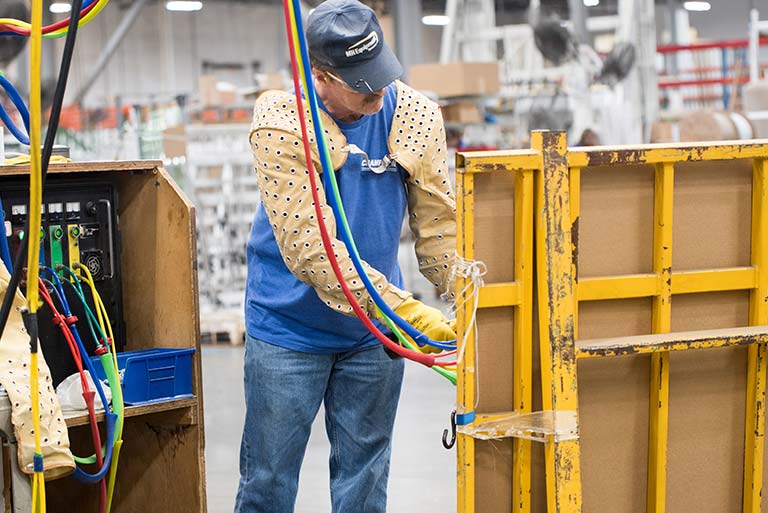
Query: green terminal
57	252
75	231
20	234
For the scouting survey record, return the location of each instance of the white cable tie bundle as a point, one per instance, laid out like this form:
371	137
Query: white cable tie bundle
472	271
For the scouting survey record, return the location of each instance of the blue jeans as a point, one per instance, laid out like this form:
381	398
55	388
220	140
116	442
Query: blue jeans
283	392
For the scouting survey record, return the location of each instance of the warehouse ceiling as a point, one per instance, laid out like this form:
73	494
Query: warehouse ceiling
502	6
510	11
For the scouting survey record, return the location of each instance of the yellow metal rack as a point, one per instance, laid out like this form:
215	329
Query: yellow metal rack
547	193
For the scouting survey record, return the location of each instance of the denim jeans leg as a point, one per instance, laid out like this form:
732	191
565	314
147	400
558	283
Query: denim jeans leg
283	392
360	404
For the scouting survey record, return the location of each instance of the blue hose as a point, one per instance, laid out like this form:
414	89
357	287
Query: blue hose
343	232
110	417
83	476
5	251
59	290
15	97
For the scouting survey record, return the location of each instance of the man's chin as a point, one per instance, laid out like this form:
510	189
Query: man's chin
374	107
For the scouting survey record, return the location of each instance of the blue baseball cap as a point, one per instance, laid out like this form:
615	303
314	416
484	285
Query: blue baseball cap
345	35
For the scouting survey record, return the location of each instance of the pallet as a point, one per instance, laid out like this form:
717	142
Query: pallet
222	327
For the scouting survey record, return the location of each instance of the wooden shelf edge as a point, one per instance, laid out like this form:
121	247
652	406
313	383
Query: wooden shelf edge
88	166
81	419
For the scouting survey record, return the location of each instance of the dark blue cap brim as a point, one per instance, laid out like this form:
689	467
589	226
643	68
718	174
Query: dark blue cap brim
373	74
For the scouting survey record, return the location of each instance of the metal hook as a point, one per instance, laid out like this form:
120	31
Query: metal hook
446	443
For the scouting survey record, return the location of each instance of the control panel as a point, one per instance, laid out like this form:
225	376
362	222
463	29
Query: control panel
79	226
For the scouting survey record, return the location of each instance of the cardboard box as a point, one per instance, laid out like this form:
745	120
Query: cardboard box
456	78
462	112
388	29
214	93
267	81
175	141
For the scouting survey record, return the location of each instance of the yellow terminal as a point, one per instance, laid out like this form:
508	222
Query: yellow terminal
73	240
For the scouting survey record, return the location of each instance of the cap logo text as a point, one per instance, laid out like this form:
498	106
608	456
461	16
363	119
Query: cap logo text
366	44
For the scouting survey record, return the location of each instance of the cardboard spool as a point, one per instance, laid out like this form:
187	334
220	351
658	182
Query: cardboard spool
715	126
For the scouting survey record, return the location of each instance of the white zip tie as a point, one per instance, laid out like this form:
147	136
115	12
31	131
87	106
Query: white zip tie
472	271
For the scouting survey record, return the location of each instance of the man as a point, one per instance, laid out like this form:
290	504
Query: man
304	347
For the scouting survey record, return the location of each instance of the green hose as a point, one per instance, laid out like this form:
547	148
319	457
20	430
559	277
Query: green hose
447	374
117	406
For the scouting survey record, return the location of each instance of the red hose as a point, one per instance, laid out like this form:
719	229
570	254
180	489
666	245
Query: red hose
47	29
88	394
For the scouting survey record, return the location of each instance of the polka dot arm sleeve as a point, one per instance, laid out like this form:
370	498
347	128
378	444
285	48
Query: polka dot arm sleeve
417	139
14	376
285	190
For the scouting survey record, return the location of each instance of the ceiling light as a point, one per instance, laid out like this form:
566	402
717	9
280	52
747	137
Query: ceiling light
59	7
184	5
439	20
591	3
697	6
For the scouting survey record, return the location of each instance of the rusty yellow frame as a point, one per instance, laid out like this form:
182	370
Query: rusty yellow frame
517	294
557	173
663	283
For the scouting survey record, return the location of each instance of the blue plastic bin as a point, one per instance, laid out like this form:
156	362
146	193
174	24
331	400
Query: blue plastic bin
153	375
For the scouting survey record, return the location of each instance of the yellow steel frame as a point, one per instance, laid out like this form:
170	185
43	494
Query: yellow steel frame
556	317
557	173
517	294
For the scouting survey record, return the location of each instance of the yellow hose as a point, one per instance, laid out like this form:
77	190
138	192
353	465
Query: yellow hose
35	201
58	33
85	19
106	327
101	310
299	60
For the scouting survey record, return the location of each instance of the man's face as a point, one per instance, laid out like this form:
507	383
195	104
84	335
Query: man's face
360	103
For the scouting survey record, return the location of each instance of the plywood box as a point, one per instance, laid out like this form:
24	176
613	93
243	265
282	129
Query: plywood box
456	78
611	217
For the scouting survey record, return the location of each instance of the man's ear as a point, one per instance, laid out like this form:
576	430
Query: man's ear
319	75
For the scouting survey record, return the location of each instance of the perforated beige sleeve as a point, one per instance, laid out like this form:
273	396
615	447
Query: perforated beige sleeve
417	138
280	165
14	376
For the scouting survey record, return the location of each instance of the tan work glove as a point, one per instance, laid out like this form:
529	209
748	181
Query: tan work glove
427	320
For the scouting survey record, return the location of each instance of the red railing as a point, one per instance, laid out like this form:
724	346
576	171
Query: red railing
731	71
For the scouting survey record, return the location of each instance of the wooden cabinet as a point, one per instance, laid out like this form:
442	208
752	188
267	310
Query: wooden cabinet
162	464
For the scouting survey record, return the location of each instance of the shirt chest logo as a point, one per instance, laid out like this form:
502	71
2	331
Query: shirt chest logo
378	166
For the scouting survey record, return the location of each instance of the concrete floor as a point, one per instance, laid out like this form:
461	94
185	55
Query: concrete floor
423	473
